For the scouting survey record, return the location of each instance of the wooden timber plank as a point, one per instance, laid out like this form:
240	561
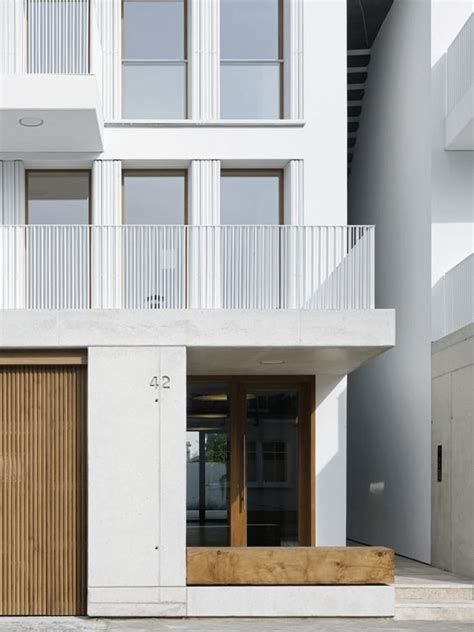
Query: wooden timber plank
232	566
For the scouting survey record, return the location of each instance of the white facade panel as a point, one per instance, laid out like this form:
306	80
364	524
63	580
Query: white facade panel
107	14
136	478
12	36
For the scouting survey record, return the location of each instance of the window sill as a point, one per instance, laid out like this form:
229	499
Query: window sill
217	123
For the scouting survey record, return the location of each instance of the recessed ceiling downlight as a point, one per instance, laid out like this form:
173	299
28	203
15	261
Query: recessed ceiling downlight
272	362
31	121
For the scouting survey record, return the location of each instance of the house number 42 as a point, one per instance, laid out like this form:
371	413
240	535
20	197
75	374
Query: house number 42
156	383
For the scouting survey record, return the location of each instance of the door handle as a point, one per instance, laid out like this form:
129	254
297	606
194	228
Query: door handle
243	479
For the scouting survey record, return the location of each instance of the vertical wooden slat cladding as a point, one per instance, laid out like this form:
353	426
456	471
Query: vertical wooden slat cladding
43	490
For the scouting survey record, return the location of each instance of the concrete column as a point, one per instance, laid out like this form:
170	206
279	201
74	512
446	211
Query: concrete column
294	192
137	481
293	57
107	15
12	242
106	242
204	242
12	37
204	59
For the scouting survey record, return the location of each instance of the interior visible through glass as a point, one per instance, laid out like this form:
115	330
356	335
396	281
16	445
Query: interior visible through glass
271	468
208	465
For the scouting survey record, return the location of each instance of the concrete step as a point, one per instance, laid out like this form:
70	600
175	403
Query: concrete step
455	611
429	593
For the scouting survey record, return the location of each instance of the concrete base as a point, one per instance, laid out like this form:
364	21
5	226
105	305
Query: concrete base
291	601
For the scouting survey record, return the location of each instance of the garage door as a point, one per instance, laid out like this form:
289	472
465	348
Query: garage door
43	485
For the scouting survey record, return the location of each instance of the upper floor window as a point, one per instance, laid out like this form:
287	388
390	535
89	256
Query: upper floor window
251	59
154	59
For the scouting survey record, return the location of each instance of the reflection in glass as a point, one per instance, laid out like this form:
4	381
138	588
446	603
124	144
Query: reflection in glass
58	259
271	468
154	90
250	90
208	465
154	198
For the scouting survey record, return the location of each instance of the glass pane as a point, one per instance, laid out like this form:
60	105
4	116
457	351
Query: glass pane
154	198
271	468
250	91
58	198
153	29
208	465
250	29
154	91
250	199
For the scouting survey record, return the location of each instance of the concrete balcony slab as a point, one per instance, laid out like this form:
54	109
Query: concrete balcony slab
50	113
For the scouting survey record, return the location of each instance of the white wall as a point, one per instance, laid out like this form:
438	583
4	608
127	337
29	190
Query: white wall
136	481
389	399
452	190
453	428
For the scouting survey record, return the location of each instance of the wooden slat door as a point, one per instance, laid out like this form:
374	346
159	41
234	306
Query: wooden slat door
43	490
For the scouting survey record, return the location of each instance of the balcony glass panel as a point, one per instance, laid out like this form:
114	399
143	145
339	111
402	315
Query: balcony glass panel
250	90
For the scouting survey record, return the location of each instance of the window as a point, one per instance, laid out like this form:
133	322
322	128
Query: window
251	59
58	268
154	197
154	59
251	197
249	461
58	197
154	259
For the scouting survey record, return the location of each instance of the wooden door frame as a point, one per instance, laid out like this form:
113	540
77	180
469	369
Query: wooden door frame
238	385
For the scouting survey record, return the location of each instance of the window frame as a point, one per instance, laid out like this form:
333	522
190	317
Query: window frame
159	62
253	62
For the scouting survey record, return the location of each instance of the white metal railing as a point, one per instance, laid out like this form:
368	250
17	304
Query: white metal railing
460	65
58	36
177	267
452	299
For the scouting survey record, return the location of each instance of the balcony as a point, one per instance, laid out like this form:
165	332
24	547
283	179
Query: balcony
460	90
53	104
179	267
452	299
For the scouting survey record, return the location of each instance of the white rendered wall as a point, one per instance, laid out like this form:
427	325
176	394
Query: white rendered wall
452	525
389	399
452	189
136	481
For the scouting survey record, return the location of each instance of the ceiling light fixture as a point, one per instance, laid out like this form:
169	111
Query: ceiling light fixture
31	121
272	362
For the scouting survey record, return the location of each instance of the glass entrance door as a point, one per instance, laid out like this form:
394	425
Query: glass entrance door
250	462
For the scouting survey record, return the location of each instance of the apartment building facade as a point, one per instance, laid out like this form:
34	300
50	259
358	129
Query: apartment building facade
181	302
